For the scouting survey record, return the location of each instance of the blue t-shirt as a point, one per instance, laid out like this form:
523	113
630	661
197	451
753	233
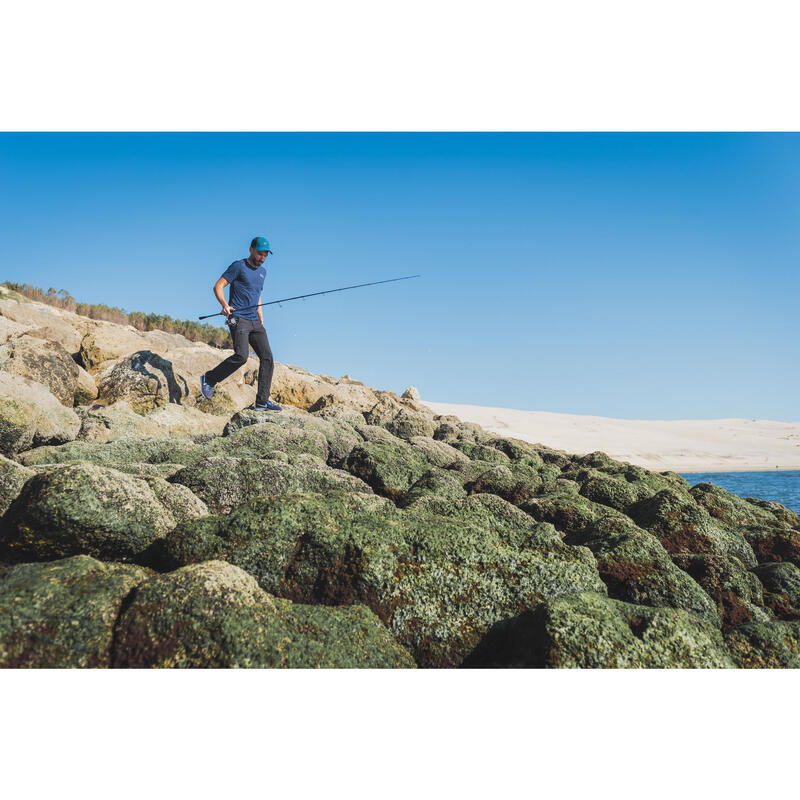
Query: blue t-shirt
246	284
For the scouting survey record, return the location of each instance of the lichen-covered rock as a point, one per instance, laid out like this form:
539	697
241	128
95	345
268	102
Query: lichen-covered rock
12	479
214	614
62	613
590	630
436	481
565	508
125	450
759	645
407	425
730	509
256	441
341	437
684	527
83	509
637	569
609	491
145	380
437	581
500	480
224	482
481	452
30	415
440	454
389	468
46	362
781	582
771	544
784	516
735	590
179	500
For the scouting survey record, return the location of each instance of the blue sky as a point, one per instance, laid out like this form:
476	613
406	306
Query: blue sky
647	276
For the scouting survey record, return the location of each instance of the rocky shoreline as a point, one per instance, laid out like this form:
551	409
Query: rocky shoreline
143	526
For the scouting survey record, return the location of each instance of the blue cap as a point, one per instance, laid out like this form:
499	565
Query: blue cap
261	244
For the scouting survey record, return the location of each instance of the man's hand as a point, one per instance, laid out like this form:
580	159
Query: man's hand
227	310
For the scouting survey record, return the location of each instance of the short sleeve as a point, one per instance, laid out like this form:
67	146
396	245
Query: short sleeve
231	273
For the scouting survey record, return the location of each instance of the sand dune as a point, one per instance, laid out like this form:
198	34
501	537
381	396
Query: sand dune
705	445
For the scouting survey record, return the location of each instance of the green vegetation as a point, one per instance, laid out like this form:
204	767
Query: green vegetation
193	331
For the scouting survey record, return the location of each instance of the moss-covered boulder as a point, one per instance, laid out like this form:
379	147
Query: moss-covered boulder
781	582
407	425
125	450
12	479
684	527
566	509
437	482
773	544
215	615
390	468
637	569
258	441
224	482
735	590
591	630
609	491
437	580
440	454
83	509
759	645
62	613
730	509
500	480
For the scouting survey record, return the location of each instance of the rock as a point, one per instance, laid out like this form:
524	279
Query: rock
500	480
437	581
215	615
758	645
736	592
107	343
412	393
145	380
47	363
224	481
439	454
771	545
60	326
11	330
257	441
564	508
437	482
622	635
294	386
637	569
179	500
61	614
781	582
83	509
684	527
30	416
12	479
125	450
390	469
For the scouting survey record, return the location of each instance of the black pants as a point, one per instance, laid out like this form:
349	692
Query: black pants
247	333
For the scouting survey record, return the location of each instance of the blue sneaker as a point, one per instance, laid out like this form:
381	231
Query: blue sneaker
206	389
268	406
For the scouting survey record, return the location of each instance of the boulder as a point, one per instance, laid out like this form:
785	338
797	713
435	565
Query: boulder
390	468
83	509
31	416
591	630
771	545
215	615
684	527
258	441
295	386
438	581
412	393
735	590
760	645
781	582
61	614
12	479
637	569
223	482
61	326
47	363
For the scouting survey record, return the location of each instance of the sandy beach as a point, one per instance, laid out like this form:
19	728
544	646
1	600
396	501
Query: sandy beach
709	445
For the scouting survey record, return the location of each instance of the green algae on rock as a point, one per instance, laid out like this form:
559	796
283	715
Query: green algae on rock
213	614
83	509
62	613
437	580
590	630
758	645
12	478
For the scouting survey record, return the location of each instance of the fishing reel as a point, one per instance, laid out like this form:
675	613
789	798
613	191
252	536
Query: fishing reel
231	321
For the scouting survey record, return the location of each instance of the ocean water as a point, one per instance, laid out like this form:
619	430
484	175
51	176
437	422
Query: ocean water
782	486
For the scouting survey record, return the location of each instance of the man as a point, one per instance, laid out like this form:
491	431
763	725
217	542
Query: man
246	279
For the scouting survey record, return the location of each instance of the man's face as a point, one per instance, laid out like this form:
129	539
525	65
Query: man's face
257	257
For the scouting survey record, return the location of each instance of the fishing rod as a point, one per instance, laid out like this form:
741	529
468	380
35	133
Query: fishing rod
312	294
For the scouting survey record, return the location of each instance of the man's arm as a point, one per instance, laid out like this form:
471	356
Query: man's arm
260	312
219	286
